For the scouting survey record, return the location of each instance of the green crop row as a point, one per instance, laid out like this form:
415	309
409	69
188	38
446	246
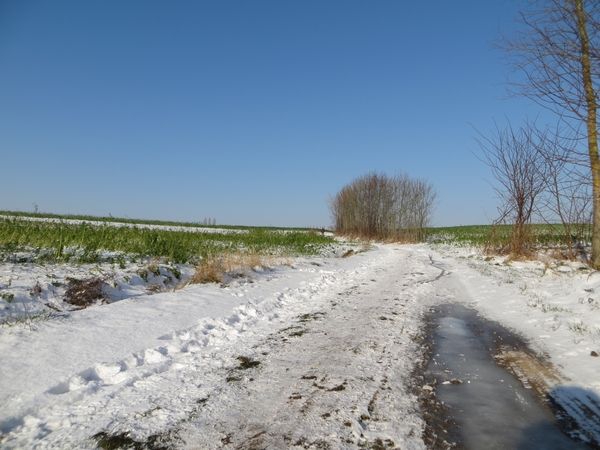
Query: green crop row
482	235
84	242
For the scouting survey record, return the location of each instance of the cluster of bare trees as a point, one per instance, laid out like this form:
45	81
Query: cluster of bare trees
555	57
376	206
538	182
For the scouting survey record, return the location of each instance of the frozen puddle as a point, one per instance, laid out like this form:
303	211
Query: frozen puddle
491	408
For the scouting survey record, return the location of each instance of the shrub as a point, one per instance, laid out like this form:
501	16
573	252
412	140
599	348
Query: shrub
376	206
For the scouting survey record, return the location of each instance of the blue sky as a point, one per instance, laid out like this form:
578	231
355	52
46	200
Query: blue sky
251	112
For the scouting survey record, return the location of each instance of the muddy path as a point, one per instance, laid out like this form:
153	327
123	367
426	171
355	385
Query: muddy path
483	387
337	377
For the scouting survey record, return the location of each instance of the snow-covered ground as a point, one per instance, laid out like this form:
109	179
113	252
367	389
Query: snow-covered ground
319	354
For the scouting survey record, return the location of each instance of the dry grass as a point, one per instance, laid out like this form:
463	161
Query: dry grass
217	268
518	245
153	288
82	293
211	270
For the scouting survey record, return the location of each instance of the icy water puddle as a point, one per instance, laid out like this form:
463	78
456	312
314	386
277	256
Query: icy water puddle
490	407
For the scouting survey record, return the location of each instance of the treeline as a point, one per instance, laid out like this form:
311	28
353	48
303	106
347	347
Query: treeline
376	206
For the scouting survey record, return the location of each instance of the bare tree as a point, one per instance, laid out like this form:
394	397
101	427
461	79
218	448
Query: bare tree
558	51
567	195
519	168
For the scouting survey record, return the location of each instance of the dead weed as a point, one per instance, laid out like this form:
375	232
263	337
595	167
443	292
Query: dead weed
215	269
82	293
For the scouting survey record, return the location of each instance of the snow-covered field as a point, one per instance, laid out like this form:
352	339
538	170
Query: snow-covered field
189	229
317	354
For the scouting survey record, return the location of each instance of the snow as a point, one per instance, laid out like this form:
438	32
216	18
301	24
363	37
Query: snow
318	354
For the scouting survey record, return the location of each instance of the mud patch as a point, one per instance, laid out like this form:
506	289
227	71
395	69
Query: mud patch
532	374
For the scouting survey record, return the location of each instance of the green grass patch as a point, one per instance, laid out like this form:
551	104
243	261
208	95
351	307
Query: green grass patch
544	235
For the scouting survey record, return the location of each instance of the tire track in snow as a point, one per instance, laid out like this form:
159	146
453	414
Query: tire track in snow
339	377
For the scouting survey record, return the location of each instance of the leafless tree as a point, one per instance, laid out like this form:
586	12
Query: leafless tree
558	52
519	168
538	179
567	196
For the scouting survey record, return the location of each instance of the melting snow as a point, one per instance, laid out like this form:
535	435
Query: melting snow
317	354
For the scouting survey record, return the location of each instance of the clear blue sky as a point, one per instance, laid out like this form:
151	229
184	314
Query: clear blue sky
252	112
